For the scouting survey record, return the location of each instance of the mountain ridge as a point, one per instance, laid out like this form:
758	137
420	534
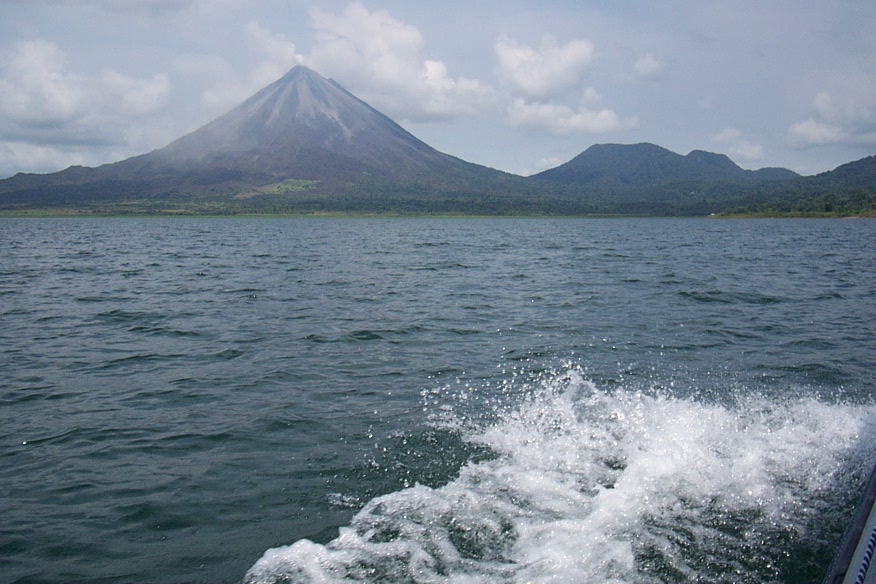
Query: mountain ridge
646	164
306	144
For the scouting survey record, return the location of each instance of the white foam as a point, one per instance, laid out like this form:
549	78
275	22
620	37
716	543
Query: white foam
596	486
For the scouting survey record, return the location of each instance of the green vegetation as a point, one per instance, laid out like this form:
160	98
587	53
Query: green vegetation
854	204
847	191
542	200
286	187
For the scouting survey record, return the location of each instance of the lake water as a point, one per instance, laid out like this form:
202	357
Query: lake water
432	400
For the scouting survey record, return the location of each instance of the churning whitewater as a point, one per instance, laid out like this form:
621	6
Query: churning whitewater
620	486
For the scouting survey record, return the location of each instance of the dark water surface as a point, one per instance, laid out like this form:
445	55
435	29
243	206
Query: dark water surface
432	400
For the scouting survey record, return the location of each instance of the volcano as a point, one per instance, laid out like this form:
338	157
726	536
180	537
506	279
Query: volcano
304	126
303	134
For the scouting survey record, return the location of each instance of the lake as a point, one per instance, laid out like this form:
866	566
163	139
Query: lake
432	400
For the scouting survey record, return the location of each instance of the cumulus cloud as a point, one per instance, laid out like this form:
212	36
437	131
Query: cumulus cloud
811	132
278	55
546	72
50	114
563	120
647	66
542	81
738	147
847	119
35	87
380	58
133	96
38	90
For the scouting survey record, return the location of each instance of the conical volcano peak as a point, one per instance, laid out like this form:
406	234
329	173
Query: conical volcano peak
302	125
304	94
300	106
303	82
301	72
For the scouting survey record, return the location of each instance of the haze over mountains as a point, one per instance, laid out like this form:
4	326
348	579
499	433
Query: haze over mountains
305	144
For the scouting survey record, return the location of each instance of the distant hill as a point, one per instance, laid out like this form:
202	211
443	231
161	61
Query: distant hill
304	144
623	167
859	172
645	179
849	189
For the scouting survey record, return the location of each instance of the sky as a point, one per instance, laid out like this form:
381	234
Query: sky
516	85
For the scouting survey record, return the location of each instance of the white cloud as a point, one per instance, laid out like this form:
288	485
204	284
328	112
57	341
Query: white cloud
850	108
648	66
380	59
281	55
446	96
35	87
545	72
278	56
541	80
37	91
388	48
562	120
738	147
132	96
15	156
51	116
811	132
845	119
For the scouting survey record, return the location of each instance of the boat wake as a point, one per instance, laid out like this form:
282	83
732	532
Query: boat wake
618	486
